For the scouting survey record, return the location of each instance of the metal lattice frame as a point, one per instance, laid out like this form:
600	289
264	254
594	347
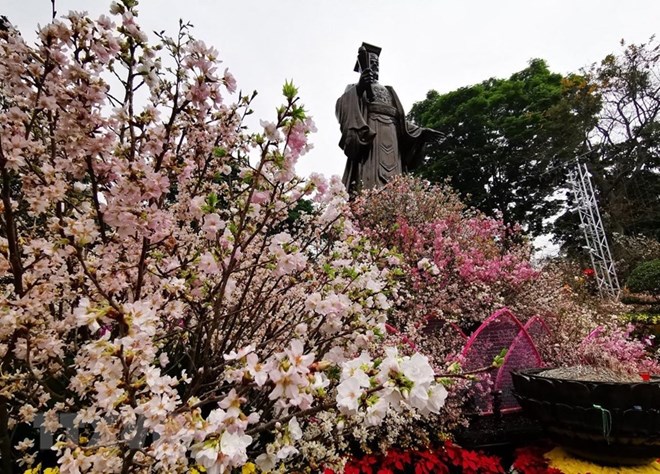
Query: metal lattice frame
594	233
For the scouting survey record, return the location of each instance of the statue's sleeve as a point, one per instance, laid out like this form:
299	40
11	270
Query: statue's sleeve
410	136
355	132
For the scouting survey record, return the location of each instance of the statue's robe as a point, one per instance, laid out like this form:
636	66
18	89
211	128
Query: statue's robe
377	140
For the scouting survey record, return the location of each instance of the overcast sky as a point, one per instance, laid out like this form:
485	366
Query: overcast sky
427	44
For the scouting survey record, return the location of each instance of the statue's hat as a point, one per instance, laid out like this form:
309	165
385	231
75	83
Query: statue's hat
370	49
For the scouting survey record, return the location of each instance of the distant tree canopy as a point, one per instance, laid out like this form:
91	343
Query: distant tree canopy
511	142
624	147
622	150
507	140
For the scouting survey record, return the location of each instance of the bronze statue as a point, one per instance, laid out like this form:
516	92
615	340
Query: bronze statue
376	138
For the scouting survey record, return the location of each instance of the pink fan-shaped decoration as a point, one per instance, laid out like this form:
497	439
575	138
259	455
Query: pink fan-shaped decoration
502	330
522	354
495	333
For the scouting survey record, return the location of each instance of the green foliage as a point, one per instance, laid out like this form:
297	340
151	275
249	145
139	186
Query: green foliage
303	206
641	318
294	220
298	113
210	203
645	278
498	361
506	140
289	90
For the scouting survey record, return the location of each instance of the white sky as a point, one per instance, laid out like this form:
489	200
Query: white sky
427	44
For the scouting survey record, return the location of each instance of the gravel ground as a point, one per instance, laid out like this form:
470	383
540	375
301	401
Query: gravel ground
590	374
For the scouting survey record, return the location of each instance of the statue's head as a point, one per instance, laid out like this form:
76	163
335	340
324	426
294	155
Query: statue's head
368	57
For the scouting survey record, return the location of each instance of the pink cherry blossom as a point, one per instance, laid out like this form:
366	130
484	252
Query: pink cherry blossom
212	225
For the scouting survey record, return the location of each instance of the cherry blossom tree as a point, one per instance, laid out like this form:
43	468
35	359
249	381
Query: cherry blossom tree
168	282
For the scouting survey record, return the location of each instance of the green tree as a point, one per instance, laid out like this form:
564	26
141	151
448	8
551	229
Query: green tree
645	278
624	147
622	152
508	140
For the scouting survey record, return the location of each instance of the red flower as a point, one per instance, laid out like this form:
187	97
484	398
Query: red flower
429	462
397	459
472	462
589	272
530	460
448	458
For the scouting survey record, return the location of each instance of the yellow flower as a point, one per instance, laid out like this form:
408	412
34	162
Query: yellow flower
37	470
34	470
249	468
560	459
197	470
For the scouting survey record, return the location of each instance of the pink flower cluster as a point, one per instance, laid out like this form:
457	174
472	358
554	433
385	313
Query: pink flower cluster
460	265
616	349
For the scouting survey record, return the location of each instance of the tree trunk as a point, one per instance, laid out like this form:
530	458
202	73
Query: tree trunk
5	439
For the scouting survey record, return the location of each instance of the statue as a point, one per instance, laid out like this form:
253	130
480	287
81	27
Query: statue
376	138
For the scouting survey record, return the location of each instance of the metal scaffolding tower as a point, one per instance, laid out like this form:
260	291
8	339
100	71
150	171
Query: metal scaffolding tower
594	233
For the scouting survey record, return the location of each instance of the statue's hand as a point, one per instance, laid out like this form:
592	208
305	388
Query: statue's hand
430	135
367	77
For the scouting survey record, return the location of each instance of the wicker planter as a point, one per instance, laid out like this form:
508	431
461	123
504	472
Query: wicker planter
607	422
